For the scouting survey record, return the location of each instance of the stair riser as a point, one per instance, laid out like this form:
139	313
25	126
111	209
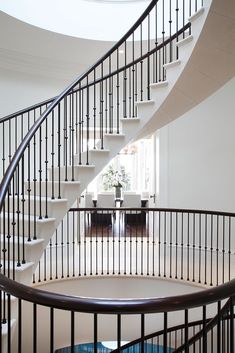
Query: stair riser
97	157
77	173
52	209
65	191
31	229
23	276
33	251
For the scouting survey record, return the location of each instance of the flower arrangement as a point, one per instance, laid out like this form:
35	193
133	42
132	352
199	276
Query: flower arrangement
115	178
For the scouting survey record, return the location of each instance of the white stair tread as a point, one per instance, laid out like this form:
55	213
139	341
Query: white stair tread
28	218
172	64
83	166
21	241
114	135
100	150
37	198
184	41
13	265
56	182
196	14
130	120
147	102
159	84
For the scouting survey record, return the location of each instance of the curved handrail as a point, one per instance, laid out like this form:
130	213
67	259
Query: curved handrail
158	209
210	324
117	306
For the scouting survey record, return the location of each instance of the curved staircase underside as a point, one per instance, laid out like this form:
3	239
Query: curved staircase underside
210	66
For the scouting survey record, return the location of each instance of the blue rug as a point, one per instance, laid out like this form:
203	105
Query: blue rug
89	348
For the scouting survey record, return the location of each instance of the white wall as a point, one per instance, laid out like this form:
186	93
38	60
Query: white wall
20	90
197	161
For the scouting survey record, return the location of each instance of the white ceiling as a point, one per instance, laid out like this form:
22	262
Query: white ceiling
27	48
98	20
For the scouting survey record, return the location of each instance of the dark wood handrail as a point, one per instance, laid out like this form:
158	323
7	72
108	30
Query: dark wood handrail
117	306
155	209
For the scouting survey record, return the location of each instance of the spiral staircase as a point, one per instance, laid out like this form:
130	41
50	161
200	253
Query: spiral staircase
108	106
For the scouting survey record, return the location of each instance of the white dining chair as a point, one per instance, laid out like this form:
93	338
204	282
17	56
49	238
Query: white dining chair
104	200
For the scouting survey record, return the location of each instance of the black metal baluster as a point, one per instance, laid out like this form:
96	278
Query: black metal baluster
102	108
106	106
148	60
72	135
219	327
143	333
34	328
19	326
46	168
79	247
59	152
95	333
87	123
159	244
204	338
62	249
125	84
223	248
56	254
200	247
72	320
229	248
231	341
130	91
170	244
182	246
40	176
211	253
51	330
80	126
45	264
153	241
73	243
94	111
165	333
51	259
176	245
164	256
188	234
177	28
68	244
9	335
65	149
205	249
186	333
141	62
133	75
193	279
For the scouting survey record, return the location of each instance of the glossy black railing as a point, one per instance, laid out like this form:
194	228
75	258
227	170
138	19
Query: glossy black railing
190	245
44	146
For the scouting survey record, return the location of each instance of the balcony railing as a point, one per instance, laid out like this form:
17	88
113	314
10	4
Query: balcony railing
189	245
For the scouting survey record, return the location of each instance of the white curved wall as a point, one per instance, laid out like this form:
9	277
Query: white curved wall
197	168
